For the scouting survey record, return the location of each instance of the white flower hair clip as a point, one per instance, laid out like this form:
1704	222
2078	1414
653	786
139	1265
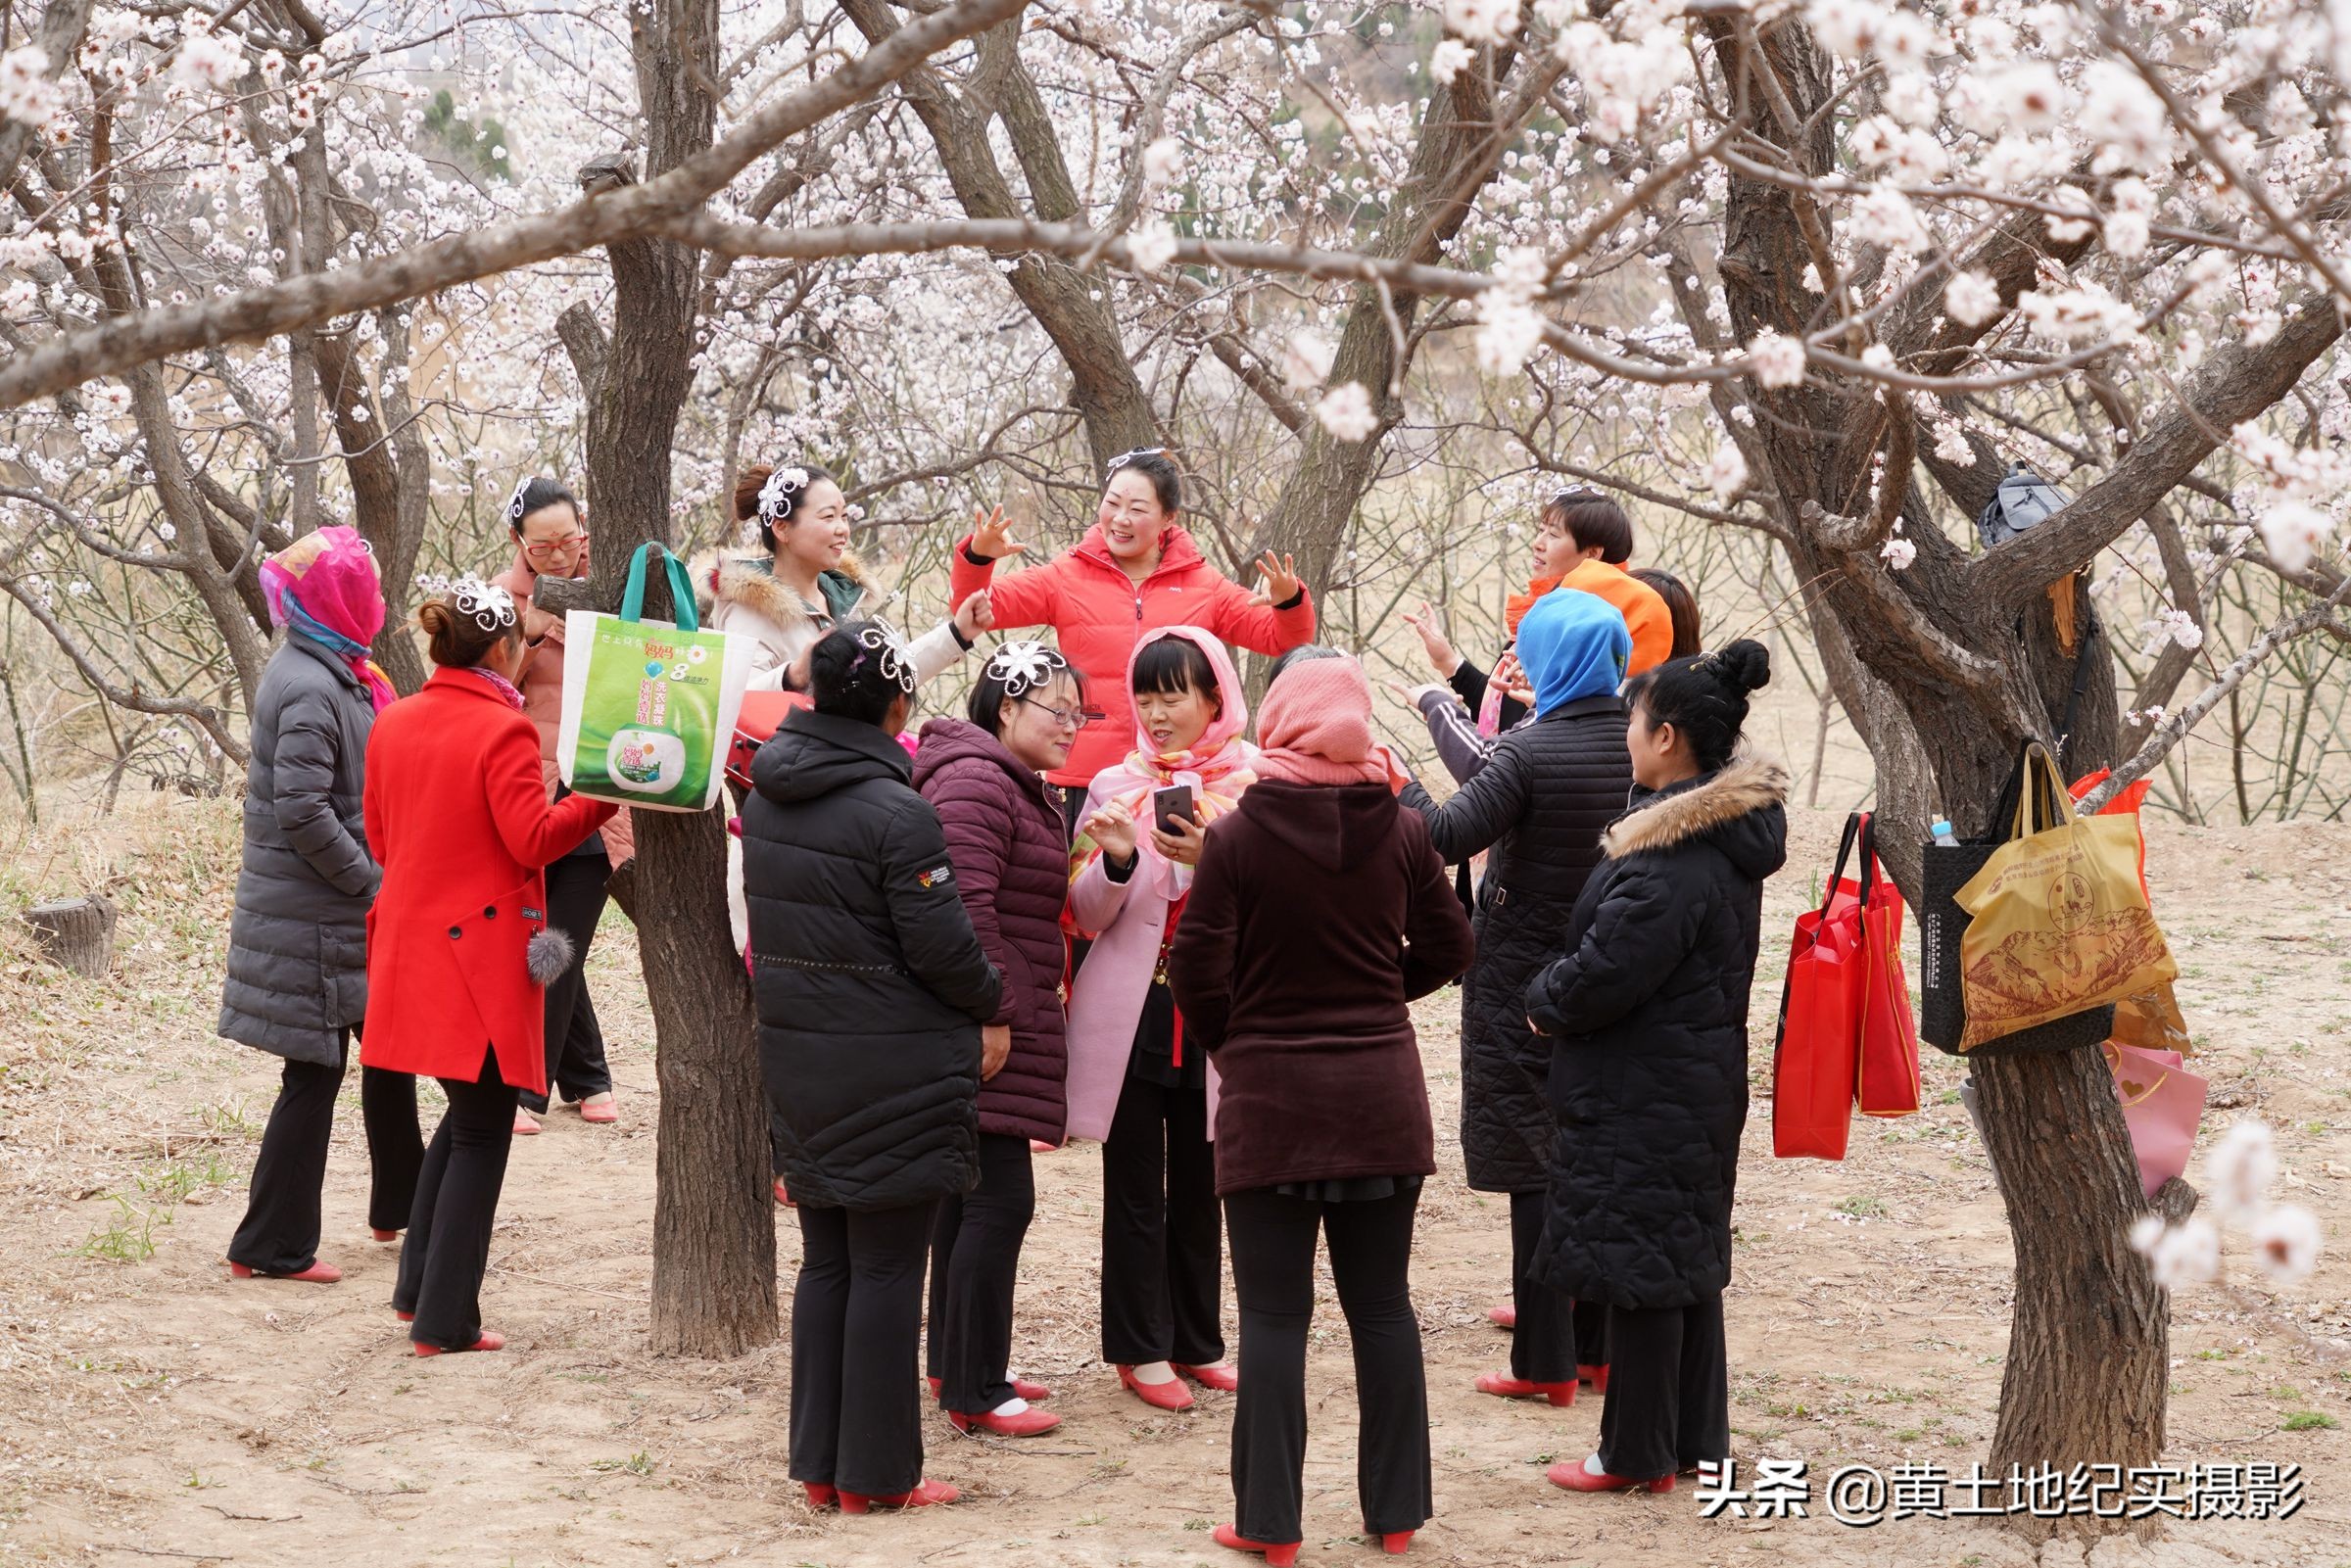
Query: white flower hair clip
781	493
1138	454
896	663
1024	666
522	488
491	606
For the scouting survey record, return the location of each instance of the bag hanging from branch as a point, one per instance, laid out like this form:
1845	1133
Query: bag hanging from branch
649	707
1885	1075
2059	924
2162	1103
1814	1057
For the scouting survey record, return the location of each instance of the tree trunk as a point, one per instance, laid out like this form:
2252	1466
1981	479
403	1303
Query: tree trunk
77	934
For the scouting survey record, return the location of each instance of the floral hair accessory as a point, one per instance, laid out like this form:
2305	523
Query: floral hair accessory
1138	454
781	495
1024	666
896	663
515	502
491	606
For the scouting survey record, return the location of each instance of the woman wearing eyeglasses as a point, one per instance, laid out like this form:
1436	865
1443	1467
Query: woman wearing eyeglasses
1136	571
1009	855
550	541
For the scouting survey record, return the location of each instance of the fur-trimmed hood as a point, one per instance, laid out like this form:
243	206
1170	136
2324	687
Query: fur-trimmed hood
1742	807
721	577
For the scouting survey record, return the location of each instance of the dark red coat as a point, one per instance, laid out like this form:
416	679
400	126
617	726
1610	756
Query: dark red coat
458	816
1011	856
1318	912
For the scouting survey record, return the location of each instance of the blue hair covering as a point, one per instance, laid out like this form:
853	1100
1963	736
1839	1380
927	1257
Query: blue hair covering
1572	644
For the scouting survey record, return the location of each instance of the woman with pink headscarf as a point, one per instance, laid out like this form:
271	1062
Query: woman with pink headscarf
298	941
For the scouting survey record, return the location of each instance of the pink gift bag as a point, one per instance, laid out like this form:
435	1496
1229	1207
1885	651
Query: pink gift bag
2162	1103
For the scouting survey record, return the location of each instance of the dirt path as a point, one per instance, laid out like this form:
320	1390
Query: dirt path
162	1415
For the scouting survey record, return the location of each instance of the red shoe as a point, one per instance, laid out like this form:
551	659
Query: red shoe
1597	1377
1571	1475
405	1317
1278	1554
526	1126
600	1109
1168	1395
488	1342
1218	1376
1561	1395
922	1497
382	1235
1038	1145
1503	1317
1022	1389
1026	1424
1396	1543
821	1496
316	1274
781	1196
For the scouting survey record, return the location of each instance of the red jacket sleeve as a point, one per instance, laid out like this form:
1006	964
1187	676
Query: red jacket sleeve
534	831
1024	598
1258	628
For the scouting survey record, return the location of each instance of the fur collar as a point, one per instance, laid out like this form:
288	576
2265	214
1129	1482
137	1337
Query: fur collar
720	577
1749	783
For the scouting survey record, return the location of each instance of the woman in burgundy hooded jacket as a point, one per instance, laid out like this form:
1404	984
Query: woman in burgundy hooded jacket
1009	854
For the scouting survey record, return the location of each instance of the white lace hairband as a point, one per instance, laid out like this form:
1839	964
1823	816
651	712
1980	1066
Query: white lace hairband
491	607
522	488
782	493
896	663
1024	666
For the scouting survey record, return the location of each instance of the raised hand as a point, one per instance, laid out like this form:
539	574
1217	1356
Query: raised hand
1277	578
1433	642
1509	675
1113	827
975	615
992	535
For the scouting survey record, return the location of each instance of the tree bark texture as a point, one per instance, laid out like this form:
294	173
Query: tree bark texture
77	934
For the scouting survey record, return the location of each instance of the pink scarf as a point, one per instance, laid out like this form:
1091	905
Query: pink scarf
1219	765
498	684
1316	727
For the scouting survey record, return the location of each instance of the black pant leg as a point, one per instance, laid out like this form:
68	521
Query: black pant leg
1274	1278
417	1245
946	1225
1543	1345
279	1234
880	1411
1590	1320
480	1125
979	1283
1637	1422
1703	1431
1371	1262
1195	1234
1134	1223
820	1310
575	1047
394	1145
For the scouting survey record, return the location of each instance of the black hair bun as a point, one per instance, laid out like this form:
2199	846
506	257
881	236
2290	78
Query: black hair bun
1744	666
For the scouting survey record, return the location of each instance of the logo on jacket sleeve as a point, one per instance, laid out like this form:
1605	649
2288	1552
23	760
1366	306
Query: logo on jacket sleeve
936	876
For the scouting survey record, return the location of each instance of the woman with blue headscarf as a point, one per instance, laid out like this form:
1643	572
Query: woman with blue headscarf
1539	805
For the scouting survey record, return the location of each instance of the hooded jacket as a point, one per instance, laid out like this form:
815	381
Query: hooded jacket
1099	615
740	594
1008	845
1648	1010
1318	912
869	983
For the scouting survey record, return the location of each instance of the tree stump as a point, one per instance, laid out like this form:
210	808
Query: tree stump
75	933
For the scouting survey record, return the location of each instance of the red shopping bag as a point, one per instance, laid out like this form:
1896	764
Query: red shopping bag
1815	1058
761	716
2162	1103
1886	1074
2129	798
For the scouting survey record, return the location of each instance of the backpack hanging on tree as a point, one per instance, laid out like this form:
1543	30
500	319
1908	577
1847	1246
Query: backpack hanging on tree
2024	501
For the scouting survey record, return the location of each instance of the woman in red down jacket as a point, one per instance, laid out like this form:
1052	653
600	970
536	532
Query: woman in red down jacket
1010	856
459	950
1135	570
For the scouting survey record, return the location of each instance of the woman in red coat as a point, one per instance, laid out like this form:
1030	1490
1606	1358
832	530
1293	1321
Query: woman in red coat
459	951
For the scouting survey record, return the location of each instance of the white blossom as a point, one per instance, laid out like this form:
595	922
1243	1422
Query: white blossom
1510	329
26	94
1163	162
2239	1170
206	60
1305	357
1346	411
1898	552
2294	532
2286	1243
1449	59
1776	360
2188	1253
1886	216
1482	20
1152	245
1727	472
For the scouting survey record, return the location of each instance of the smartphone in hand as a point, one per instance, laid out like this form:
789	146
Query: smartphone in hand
1171	804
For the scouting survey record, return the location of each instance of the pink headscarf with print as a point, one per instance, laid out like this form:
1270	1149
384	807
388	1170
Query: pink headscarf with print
324	585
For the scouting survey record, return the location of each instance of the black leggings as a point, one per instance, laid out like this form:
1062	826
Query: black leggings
1556	1334
447	1246
1274	1274
575	1041
1669	1391
279	1234
856	1325
1163	1238
975	1264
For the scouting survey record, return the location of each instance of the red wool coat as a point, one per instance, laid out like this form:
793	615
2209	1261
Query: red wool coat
458	817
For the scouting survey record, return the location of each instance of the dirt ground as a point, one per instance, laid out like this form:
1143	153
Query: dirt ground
163	1413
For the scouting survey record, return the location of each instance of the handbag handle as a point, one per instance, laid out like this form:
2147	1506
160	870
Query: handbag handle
1870	870
1857	826
681	589
2043	802
2114	1062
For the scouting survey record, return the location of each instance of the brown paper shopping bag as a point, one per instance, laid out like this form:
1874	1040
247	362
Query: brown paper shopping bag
2059	923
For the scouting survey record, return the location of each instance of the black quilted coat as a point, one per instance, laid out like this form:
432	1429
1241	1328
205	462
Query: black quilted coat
1540	803
869	983
1649	1064
1012	866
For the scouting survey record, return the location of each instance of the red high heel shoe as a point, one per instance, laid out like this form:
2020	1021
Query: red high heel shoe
488	1342
1506	1316
1277	1555
1597	1377
382	1235
922	1497
1569	1474
1561	1395
1022	1389
1395	1543
316	1274
821	1496
1026	1424
405	1317
1168	1395
1217	1376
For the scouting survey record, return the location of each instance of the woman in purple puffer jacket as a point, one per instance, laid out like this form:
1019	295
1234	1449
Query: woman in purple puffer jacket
1009	854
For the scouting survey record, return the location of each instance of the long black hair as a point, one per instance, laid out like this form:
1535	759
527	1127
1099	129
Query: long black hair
1703	698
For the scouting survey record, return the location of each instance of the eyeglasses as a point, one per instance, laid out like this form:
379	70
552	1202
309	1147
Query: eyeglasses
1066	718
549	547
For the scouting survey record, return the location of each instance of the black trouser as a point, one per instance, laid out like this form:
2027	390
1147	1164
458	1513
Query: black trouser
279	1234
575	1041
447	1248
1163	1238
1274	1274
1669	1390
856	1326
974	1264
1555	1333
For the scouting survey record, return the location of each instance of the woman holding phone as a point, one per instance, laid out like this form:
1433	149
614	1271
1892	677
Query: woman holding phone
1134	1082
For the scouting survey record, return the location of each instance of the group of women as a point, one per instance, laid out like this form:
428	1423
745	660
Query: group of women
1093	907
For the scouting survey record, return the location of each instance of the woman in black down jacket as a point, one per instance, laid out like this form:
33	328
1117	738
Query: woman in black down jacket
1011	853
870	988
1540	804
1649	1066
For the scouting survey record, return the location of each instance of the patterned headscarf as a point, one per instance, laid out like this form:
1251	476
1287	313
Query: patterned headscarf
324	587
